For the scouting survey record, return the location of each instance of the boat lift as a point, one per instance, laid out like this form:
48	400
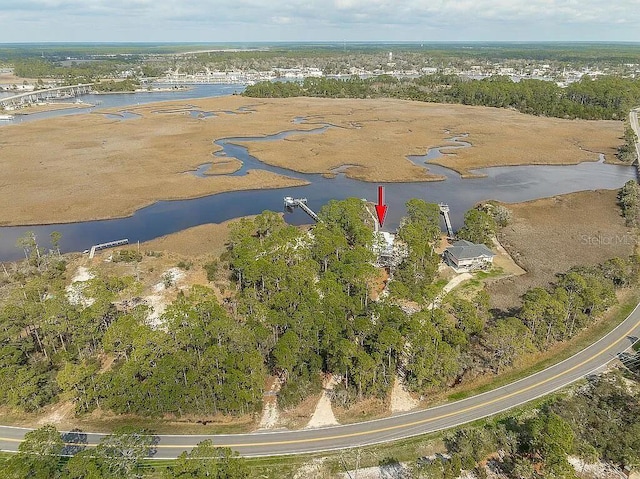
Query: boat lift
290	203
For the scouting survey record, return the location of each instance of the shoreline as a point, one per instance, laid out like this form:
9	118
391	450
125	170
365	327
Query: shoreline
290	183
471	174
60	170
154	90
34	108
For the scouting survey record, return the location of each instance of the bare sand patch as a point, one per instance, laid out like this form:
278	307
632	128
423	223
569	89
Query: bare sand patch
270	413
84	167
323	414
551	235
595	470
314	469
393	470
401	399
75	291
57	413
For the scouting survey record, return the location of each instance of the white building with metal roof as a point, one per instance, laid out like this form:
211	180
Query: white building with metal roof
464	256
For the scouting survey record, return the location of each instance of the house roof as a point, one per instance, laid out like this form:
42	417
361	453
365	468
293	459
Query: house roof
464	249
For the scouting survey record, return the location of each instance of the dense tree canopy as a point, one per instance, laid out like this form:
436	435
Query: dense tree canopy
598	421
602	98
299	307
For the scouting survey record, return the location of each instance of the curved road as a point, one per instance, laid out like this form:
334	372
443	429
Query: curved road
635	125
397	427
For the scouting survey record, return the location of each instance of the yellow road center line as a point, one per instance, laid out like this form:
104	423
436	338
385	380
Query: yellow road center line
397	426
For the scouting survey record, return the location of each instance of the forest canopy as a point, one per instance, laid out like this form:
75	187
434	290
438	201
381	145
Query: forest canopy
603	98
301	305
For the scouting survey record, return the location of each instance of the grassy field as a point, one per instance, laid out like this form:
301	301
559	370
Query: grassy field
551	235
90	166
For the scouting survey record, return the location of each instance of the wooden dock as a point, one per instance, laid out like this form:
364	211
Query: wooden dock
110	244
290	202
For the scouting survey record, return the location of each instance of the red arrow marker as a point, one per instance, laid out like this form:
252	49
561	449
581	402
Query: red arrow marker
381	208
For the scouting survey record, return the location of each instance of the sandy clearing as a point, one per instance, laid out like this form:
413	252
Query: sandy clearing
75	291
59	412
270	413
401	399
397	470
311	470
596	470
323	414
82	274
162	297
158	305
83	167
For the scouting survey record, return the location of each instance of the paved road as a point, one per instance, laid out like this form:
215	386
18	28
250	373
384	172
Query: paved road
635	125
594	357
392	428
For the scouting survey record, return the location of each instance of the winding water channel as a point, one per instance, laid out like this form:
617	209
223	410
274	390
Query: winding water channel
508	184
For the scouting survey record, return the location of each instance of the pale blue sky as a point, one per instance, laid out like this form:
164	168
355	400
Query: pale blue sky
316	20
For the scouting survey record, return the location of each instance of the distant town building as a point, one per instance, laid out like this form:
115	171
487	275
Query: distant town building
467	256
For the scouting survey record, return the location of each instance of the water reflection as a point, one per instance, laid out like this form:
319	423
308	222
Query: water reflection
509	184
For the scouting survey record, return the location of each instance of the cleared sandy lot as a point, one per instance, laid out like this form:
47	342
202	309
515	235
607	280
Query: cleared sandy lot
89	166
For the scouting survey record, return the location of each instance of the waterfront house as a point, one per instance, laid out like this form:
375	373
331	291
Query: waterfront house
467	256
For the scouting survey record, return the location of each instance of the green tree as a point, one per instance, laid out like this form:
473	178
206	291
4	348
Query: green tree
507	341
207	461
56	236
420	231
479	227
552	438
85	465
38	455
629	201
121	453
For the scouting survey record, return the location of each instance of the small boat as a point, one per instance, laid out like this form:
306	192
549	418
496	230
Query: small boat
6	117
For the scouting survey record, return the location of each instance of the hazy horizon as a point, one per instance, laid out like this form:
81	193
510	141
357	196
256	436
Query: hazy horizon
413	21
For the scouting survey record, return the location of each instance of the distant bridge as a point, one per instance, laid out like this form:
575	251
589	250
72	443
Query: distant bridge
48	94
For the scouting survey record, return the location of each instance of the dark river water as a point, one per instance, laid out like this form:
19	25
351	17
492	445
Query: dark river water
508	184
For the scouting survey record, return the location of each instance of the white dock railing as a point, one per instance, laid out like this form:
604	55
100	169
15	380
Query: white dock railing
110	244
